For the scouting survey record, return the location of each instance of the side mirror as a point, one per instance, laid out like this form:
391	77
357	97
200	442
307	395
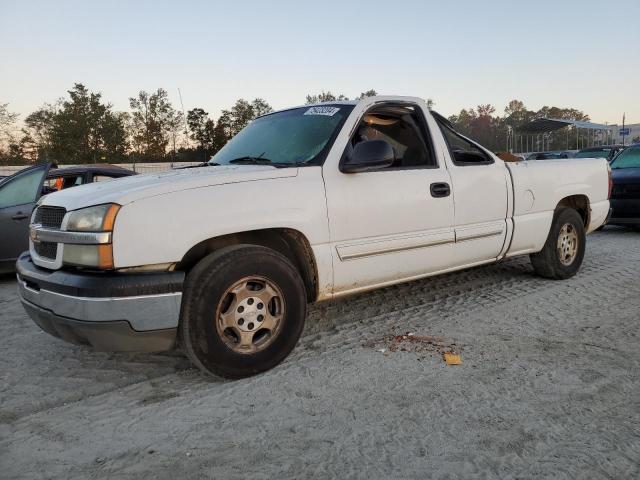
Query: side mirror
369	155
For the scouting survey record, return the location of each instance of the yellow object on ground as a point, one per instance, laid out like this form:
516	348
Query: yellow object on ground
452	358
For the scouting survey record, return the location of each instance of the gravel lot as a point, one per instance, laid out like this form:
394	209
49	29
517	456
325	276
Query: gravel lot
549	387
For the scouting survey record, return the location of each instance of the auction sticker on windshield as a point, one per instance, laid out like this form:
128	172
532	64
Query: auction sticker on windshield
327	111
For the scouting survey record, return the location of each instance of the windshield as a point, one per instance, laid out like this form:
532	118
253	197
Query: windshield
629	158
602	153
287	138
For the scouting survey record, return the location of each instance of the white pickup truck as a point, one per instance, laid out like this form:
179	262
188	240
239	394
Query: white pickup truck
303	205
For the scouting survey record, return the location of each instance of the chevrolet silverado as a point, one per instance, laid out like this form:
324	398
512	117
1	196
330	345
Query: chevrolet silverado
303	205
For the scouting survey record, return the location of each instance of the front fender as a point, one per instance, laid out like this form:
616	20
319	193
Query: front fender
161	229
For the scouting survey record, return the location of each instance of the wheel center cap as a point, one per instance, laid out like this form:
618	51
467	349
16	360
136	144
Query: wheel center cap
249	314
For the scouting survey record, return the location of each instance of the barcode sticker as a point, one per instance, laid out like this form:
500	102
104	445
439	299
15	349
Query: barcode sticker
326	111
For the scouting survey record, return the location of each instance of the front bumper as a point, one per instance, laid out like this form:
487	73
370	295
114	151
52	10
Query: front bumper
108	311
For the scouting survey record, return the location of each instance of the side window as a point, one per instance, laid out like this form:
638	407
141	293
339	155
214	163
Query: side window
22	189
73	181
102	178
463	152
53	184
403	127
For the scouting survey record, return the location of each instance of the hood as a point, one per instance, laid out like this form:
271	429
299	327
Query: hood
129	189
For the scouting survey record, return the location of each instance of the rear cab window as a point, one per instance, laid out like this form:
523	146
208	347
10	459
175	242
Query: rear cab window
463	152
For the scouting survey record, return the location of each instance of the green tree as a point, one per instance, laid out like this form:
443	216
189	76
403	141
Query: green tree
260	107
83	129
36	142
483	126
202	131
368	93
325	97
7	125
200	126
7	121
154	123
242	112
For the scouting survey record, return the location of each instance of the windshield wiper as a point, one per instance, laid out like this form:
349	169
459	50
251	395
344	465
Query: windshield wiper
199	165
252	160
260	160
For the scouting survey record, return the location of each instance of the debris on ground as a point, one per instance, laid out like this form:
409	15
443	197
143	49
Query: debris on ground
452	358
421	344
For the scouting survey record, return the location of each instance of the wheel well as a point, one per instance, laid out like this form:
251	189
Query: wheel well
580	203
290	243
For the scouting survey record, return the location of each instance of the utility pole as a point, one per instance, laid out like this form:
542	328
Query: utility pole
184	119
623	130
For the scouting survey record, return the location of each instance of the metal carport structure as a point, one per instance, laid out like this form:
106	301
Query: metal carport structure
533	136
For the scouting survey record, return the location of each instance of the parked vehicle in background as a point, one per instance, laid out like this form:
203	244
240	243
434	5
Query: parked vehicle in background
549	155
303	205
604	151
509	157
625	196
20	192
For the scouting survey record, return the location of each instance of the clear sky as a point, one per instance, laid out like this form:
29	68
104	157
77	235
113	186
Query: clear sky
566	53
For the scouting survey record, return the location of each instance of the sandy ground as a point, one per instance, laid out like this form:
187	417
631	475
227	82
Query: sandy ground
549	387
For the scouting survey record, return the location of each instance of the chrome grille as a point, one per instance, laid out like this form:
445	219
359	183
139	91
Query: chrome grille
46	249
49	217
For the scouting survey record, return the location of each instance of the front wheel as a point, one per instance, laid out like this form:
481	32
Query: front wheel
564	249
243	311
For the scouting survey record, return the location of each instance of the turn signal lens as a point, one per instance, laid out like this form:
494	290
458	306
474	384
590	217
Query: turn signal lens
95	256
110	217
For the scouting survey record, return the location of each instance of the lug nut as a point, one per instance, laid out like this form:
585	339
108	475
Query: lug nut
260	306
241	321
250	326
250	301
240	309
260	318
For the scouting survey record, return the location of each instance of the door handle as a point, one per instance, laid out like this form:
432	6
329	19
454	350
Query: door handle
19	216
439	190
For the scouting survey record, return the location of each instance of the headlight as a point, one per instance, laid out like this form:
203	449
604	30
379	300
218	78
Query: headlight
100	218
93	219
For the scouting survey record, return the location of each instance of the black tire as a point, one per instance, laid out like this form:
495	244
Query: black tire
205	286
547	263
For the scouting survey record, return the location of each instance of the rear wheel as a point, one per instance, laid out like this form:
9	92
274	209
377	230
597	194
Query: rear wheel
563	252
243	311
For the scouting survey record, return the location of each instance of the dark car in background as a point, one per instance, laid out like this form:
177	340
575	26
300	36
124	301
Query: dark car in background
625	196
20	192
603	151
549	155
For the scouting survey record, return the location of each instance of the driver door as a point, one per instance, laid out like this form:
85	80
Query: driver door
18	196
395	223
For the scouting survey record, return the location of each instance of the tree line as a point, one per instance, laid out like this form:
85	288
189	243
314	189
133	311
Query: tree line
496	132
83	128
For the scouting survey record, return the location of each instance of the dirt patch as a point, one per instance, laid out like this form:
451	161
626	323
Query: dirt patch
412	342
